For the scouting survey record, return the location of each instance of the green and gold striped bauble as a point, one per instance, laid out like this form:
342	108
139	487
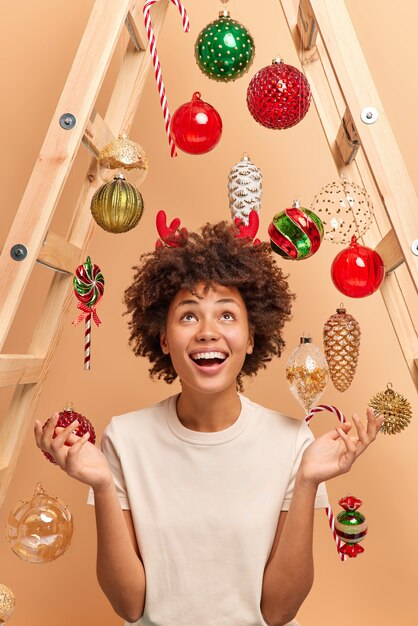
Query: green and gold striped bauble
224	49
117	206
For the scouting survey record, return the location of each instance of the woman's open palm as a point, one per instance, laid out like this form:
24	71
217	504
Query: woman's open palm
334	453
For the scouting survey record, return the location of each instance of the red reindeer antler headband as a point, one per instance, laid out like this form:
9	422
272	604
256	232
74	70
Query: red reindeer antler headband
174	236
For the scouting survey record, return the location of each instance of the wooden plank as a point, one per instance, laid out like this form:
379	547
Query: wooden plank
59	254
18	369
97	133
58	152
136	27
123	105
390	251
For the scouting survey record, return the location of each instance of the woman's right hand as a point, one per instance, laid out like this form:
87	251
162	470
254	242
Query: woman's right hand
79	458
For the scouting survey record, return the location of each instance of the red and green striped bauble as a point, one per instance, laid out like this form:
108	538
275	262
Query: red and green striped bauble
296	233
351	526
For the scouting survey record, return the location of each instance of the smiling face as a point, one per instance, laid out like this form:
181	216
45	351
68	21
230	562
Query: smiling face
207	337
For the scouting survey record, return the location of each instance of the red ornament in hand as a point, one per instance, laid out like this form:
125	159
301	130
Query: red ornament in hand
357	271
66	417
278	96
196	126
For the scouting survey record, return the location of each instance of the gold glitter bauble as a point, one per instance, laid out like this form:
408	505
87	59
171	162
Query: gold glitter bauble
40	529
117	206
123	157
342	347
394	407
7	603
307	373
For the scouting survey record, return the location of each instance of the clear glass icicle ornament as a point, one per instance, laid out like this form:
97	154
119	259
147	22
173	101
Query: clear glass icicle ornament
307	373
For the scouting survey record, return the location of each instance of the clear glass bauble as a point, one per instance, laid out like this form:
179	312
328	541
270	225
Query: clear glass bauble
345	210
307	373
40	528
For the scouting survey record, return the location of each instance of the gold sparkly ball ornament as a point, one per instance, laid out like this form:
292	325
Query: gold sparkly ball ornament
7	603
245	188
345	210
396	410
117	206
307	373
342	347
123	157
40	528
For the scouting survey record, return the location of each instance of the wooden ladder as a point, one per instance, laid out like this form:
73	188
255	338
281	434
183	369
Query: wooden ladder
366	153
74	122
364	150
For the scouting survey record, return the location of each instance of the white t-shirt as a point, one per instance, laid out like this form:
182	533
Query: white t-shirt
205	507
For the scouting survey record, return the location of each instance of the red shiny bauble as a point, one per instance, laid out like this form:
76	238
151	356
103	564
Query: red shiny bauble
357	271
66	417
278	96
196	126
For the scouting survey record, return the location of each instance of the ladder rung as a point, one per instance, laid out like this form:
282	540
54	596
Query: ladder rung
97	133
59	254
136	28
307	24
19	369
390	251
347	139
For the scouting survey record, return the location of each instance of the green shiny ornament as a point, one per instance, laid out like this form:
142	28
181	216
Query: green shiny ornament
224	49
117	206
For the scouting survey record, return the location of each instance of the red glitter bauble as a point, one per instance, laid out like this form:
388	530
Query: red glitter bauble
357	271
278	96
196	126
66	417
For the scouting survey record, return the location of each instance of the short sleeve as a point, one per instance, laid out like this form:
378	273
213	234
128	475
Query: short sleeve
303	440
109	449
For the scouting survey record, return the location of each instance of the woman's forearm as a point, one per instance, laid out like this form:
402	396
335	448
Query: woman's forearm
119	569
288	575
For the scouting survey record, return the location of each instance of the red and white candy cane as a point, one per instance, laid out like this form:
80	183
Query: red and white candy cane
328	510
156	62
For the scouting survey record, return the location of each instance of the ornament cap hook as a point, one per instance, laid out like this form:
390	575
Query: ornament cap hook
306	338
224	13
277	60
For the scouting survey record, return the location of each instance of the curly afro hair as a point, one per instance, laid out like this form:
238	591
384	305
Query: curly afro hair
213	257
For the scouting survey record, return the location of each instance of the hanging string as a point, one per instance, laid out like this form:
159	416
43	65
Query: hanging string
156	62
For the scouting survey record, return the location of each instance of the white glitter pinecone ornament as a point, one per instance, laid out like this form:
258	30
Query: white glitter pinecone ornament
341	347
245	189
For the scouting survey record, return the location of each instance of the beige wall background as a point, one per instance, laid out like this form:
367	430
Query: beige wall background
38	43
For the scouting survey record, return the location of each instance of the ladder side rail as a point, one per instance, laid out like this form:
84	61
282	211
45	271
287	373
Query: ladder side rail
14	424
58	152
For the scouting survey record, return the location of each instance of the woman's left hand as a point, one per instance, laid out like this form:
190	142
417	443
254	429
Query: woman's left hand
334	453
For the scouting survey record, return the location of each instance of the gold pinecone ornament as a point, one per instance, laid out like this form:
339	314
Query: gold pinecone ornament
395	408
245	188
342	347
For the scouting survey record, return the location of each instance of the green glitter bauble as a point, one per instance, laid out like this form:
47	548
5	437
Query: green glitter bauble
224	49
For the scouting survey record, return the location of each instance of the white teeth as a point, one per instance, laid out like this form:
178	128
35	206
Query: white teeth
208	355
